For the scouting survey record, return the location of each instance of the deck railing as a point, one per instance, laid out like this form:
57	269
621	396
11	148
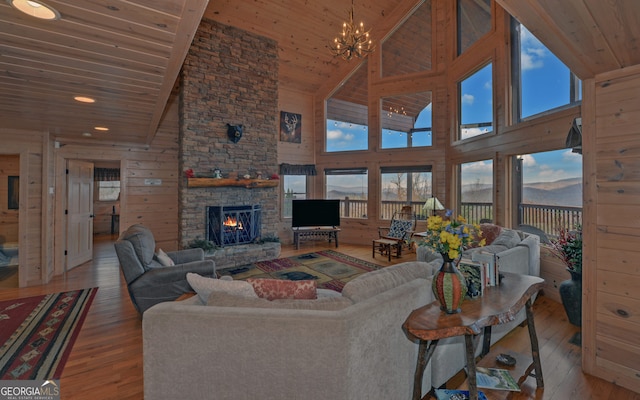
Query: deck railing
545	217
550	218
350	208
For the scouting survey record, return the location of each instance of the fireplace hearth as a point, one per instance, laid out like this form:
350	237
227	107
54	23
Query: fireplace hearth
233	225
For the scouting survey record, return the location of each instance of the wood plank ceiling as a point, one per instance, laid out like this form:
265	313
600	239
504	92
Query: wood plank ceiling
127	54
124	54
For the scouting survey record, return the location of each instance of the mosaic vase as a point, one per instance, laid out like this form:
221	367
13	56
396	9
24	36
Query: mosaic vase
449	286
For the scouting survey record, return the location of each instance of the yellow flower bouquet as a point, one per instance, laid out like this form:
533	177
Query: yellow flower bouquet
450	237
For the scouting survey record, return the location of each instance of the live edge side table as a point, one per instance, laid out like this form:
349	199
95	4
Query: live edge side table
498	305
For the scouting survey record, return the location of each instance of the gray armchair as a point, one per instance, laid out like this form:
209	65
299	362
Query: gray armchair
148	281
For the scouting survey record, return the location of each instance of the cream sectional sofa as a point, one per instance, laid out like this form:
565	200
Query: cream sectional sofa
353	348
350	347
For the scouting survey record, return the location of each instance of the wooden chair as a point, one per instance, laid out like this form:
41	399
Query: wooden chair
399	231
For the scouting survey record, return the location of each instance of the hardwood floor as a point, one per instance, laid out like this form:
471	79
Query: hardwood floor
106	361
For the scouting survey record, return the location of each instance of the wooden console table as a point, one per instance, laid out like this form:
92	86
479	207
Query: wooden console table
498	305
329	232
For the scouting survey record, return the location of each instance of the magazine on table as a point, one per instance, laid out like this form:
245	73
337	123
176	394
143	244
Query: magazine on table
474	275
495	378
450	394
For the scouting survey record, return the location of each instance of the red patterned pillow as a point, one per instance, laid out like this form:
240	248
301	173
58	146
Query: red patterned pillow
490	232
272	289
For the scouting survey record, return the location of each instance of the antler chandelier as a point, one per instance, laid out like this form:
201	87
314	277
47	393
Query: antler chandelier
354	40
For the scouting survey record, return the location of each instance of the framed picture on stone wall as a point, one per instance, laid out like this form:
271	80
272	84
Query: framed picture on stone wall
290	127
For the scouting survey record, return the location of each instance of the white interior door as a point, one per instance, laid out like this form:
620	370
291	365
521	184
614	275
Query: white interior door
79	212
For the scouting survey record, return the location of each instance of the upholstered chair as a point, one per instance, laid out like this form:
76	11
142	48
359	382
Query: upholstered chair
154	276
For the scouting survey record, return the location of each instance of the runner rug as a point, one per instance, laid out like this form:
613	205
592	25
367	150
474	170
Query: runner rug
330	269
38	333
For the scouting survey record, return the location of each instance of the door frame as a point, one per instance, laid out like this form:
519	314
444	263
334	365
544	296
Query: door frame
60	221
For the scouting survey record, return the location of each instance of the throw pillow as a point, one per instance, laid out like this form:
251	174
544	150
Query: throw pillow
508	238
490	232
164	259
399	228
204	286
272	289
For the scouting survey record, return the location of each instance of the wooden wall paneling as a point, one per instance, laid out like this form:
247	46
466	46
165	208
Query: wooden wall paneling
47	220
609	322
303	152
589	228
31	221
610	250
553	271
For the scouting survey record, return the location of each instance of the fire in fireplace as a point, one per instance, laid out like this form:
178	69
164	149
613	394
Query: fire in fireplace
233	225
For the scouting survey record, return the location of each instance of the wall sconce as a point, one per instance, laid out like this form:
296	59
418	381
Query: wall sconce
234	132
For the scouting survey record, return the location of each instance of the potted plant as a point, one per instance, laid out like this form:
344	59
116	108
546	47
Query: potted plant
206	245
568	246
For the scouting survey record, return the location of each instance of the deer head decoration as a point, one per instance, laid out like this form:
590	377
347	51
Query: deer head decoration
234	132
290	123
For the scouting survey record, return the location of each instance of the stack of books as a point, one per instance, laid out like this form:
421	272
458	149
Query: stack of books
480	272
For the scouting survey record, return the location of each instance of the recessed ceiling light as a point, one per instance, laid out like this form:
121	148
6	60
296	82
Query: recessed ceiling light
86	134
35	9
101	128
84	99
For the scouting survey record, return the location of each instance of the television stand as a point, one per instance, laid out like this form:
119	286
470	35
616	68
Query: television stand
315	232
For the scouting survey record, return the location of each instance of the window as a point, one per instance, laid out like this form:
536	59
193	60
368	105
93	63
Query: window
476	104
350	186
347	115
108	190
346	136
551	190
541	81
295	188
474	21
406	121
476	191
404	186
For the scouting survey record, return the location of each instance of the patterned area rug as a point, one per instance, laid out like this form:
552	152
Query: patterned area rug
38	333
331	270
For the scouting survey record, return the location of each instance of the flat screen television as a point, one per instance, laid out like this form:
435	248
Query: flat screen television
315	212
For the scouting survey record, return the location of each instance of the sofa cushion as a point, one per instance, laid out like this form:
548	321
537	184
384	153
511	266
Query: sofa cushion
143	243
164	259
331	303
204	286
272	289
378	281
508	238
494	248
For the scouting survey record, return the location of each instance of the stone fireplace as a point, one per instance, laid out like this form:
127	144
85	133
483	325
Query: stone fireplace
229	76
